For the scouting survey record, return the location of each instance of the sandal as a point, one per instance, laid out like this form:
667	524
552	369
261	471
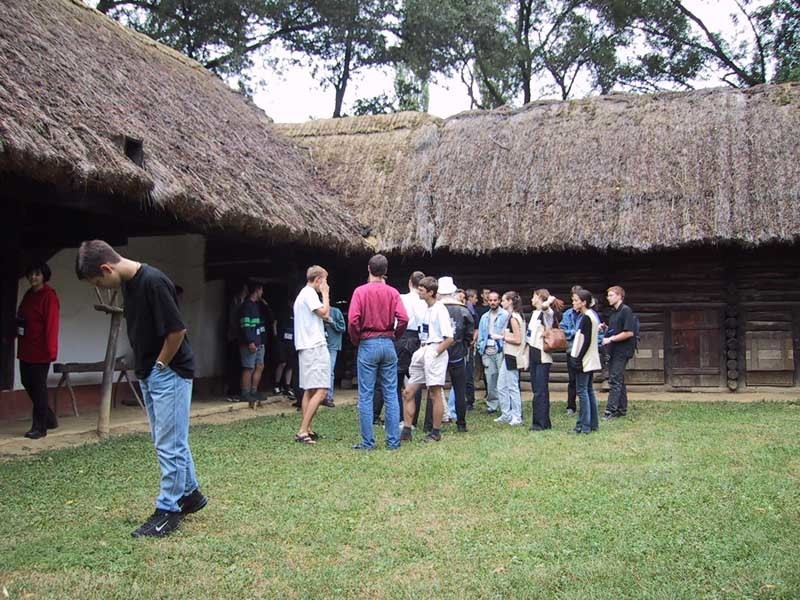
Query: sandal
304	438
314	435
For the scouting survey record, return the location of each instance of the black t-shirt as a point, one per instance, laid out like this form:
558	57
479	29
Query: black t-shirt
463	328
621	320
482	309
151	312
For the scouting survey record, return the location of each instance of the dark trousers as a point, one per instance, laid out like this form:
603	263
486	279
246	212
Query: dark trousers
470	377
617	393
540	381
572	388
34	380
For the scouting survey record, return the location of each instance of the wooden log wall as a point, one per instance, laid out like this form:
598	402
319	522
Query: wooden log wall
690	302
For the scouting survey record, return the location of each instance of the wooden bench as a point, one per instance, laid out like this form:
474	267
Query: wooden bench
66	368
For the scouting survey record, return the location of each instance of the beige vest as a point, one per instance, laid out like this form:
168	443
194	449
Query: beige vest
591	361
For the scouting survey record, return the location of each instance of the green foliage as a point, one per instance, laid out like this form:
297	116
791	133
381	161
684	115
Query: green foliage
350	36
678	500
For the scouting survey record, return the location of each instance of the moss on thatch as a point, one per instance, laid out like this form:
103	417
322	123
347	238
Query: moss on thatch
74	84
620	171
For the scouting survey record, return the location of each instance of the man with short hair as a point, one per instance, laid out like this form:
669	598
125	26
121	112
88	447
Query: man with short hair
335	326
620	343
314	363
408	343
252	336
376	318
164	364
491	350
429	363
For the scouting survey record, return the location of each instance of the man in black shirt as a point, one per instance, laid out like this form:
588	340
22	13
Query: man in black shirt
621	345
164	364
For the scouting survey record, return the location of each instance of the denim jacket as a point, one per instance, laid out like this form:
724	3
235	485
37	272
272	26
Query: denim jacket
483	329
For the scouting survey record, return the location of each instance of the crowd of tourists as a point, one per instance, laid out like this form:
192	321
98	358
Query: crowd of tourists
404	343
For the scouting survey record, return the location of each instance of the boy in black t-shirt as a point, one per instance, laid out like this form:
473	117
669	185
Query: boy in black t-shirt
164	364
619	340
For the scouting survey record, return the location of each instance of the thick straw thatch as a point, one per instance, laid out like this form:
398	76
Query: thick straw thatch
622	171
74	84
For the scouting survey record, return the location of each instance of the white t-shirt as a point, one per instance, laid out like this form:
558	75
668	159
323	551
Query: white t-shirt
415	309
309	328
436	324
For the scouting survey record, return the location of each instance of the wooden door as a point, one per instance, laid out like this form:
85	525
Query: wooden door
769	348
696	348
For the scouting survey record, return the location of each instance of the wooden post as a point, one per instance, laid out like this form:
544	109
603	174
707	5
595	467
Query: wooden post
104	419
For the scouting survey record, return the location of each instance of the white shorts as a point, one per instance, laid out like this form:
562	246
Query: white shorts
426	368
315	368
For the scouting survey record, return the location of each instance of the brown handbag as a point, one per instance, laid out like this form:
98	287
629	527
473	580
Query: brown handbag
554	339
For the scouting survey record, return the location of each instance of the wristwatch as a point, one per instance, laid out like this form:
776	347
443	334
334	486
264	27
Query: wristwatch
160	366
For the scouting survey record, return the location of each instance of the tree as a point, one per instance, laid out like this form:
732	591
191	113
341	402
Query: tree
223	35
351	35
781	21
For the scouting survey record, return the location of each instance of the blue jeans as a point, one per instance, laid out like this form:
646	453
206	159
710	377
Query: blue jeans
377	361
167	397
509	394
587	403
491	370
333	354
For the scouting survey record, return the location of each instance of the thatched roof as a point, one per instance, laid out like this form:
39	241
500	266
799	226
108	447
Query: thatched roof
74	84
622	171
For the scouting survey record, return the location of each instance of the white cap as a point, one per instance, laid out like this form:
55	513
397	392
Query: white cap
447	286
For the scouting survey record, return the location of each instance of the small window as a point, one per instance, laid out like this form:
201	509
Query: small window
134	149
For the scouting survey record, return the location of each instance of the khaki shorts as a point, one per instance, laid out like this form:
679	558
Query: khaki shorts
426	368
315	368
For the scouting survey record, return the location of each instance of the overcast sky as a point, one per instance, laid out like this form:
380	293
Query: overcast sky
295	96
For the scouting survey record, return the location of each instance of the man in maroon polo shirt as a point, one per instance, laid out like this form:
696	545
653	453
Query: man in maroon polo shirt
376	316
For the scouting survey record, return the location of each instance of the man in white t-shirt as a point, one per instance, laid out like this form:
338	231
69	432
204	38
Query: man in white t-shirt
429	363
312	350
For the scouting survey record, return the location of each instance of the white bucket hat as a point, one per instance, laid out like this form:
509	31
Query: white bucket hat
447	286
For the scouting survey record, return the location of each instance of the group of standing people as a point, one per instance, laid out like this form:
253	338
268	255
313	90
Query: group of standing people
404	342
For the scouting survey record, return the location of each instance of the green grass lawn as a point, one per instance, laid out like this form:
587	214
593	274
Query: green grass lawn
679	500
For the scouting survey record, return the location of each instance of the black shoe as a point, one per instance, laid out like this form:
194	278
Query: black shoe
234	398
52	422
405	435
610	417
537	428
161	523
432	437
193	502
289	393
470	407
461	428
35	434
491	411
577	432
329	403
276	391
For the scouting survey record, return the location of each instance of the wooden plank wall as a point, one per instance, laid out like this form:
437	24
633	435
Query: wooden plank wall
730	280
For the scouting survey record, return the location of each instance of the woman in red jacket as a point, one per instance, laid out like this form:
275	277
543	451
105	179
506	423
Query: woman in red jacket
37	346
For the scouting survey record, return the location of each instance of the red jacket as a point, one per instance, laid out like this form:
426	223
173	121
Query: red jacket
40	311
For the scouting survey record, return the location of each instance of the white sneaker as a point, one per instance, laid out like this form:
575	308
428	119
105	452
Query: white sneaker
513	422
502	420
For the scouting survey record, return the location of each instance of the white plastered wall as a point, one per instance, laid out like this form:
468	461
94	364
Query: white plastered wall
83	332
